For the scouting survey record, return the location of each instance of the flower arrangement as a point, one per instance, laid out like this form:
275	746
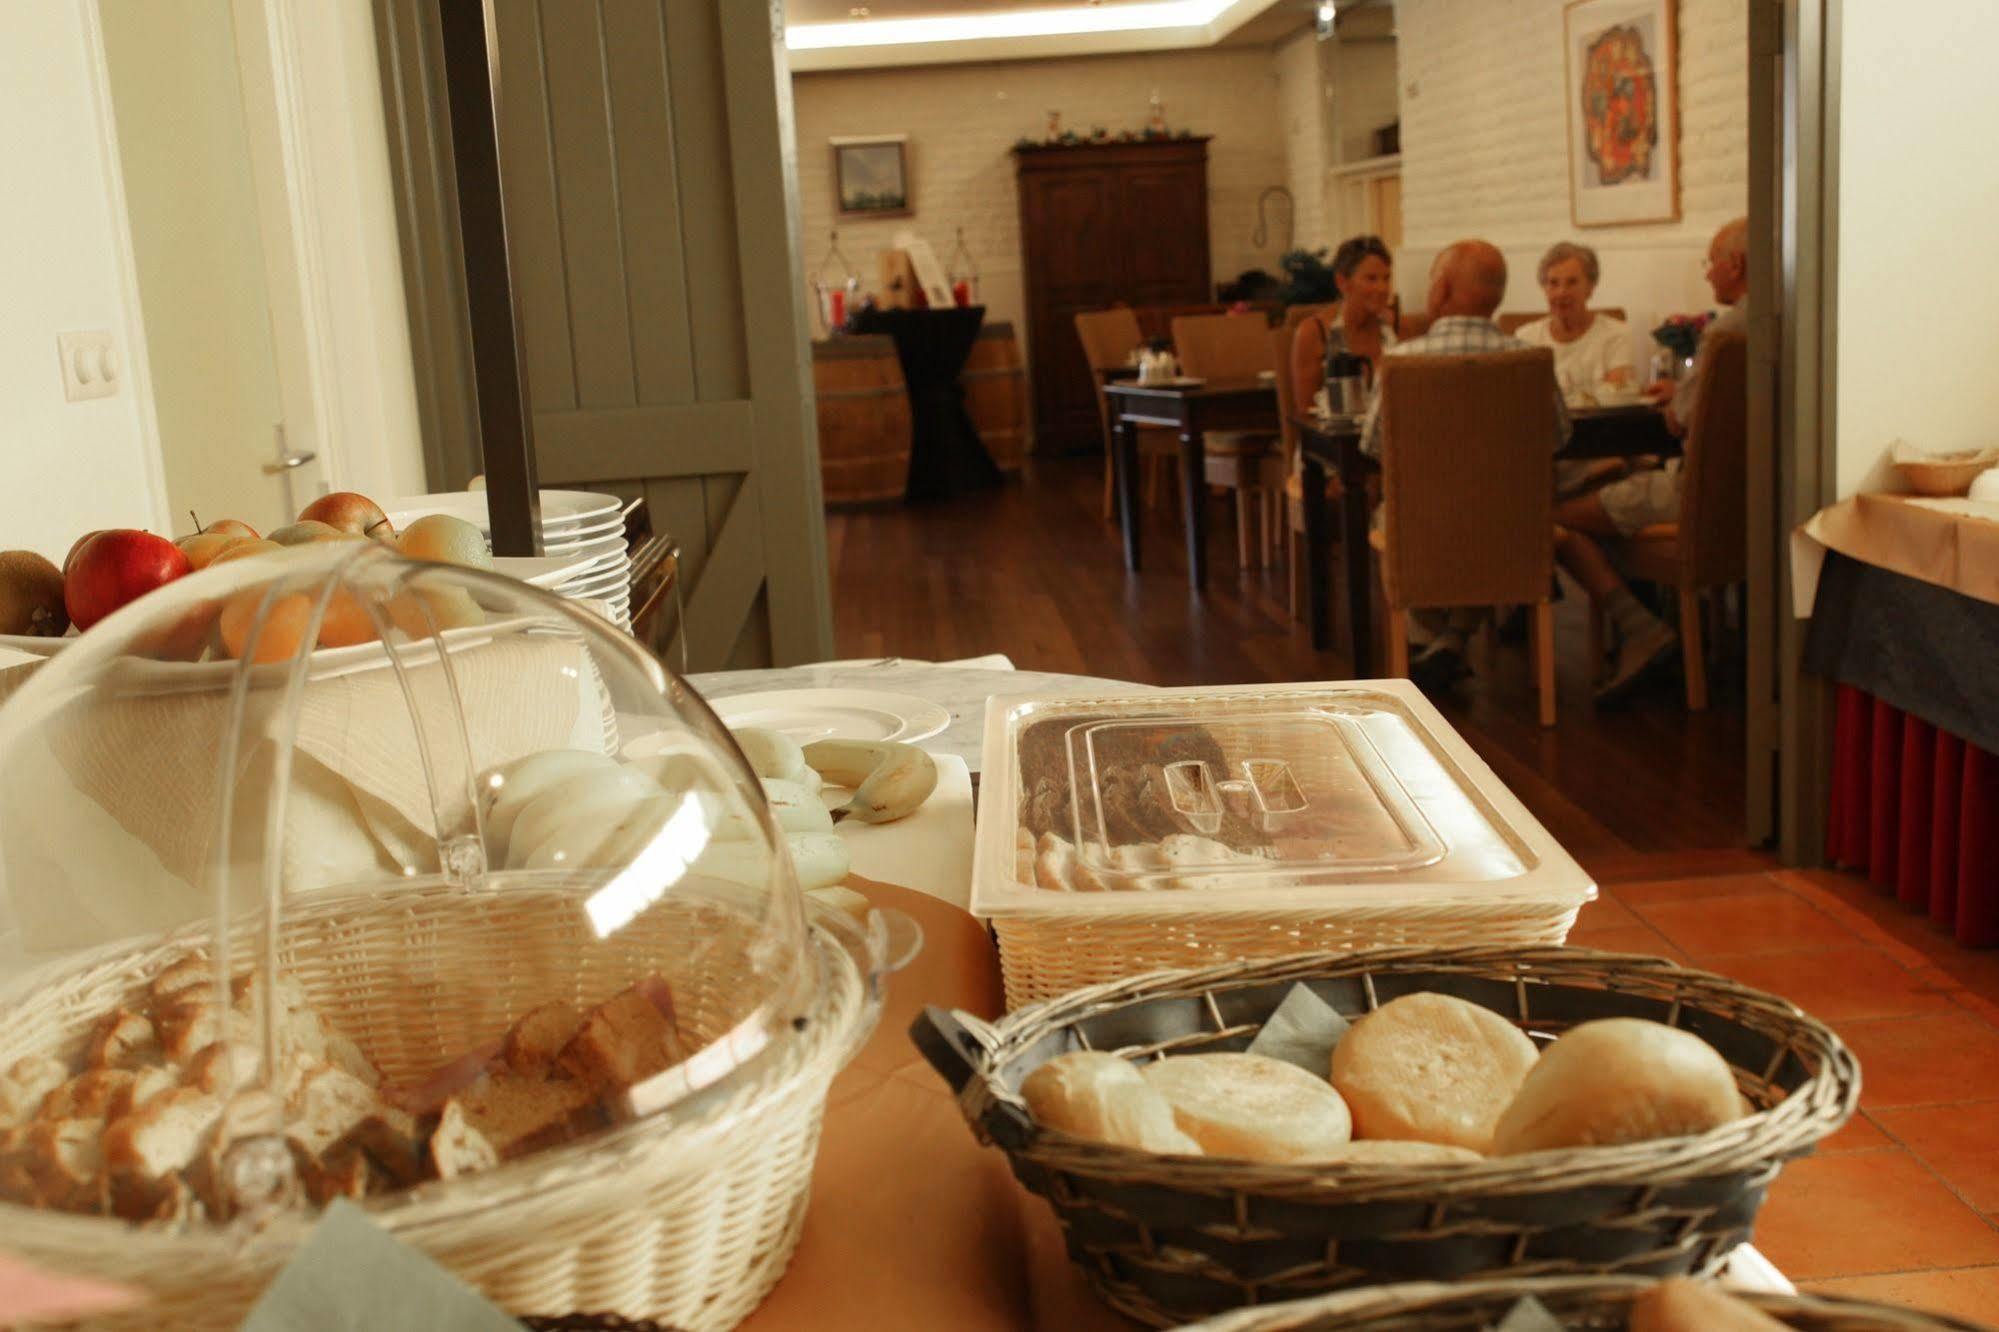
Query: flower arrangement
1680	334
1100	134
1308	277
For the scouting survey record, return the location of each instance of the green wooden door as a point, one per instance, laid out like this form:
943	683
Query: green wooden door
646	164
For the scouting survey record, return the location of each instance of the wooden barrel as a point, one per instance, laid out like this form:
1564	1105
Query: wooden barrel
996	394
863	419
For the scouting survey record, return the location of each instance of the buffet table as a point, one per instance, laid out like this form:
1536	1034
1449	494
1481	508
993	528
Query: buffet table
1903	595
913	1223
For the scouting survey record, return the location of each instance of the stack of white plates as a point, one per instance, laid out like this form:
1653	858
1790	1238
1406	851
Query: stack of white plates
582	535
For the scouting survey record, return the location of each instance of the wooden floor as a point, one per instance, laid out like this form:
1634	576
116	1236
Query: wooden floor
1034	572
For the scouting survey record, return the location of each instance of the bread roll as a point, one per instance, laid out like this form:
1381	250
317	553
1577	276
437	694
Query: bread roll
1102	1097
1386	1151
1252	1106
1681	1305
1619	1080
1431	1068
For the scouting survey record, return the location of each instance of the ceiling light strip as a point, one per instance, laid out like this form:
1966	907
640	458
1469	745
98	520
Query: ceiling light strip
1152	14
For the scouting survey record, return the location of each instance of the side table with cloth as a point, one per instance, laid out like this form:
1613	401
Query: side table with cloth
1904	599
945	454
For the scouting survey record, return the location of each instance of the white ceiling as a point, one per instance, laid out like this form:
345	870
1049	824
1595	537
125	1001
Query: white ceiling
1234	22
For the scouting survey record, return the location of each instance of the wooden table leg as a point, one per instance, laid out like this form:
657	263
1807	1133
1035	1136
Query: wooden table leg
1124	455
1353	536
1318	594
1194	501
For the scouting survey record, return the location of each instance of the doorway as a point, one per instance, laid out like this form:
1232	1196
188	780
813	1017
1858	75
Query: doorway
176	76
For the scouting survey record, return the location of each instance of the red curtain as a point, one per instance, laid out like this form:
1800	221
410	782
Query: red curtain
1916	810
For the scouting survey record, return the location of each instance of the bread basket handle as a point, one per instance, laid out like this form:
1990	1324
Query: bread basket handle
955	1044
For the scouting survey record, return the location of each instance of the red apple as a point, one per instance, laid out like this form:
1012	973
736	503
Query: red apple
117	567
345	510
231	527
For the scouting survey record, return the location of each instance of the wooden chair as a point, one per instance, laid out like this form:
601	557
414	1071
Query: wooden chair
1237	347
1709	546
1295	315
1467	457
1108	337
1512	323
1288	406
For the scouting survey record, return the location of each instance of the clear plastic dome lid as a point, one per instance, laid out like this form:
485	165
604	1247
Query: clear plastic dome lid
326	873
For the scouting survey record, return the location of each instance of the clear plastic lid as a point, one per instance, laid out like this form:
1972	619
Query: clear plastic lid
1246	793
331	873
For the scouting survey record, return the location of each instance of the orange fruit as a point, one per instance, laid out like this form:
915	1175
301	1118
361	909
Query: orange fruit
282	631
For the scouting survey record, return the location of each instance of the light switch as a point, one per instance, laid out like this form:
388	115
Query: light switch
89	364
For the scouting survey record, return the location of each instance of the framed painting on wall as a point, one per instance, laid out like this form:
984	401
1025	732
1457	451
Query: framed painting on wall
1623	111
871	175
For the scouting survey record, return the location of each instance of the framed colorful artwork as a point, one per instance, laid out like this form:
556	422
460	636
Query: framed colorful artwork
1622	91
871	175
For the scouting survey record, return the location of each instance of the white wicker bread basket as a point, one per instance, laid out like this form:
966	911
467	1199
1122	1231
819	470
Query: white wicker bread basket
689	1221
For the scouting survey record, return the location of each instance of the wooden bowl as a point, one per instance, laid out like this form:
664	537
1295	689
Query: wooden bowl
1948	475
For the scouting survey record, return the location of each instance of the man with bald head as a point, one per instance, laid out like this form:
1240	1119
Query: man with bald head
1467	283
1647	644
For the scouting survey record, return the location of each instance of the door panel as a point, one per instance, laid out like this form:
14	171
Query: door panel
187	159
1171	266
1069	230
643	148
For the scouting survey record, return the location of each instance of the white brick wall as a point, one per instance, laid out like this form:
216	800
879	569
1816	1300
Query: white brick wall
963	121
1485	143
1301	102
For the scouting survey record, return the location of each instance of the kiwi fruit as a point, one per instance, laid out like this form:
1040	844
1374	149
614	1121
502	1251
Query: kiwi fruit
31	596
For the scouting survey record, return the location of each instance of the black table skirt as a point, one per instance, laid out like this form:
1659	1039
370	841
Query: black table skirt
946	456
1927	650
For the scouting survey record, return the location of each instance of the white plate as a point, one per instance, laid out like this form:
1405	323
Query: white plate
600	587
545	571
835	714
560	509
603	550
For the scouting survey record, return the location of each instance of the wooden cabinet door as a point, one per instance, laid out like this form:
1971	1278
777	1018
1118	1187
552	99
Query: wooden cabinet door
1163	211
1072	245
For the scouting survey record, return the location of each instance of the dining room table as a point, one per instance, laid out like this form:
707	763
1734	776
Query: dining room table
1190	408
1329	444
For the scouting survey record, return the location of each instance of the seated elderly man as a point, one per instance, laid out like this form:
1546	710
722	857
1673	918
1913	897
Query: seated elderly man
1644	498
1467	283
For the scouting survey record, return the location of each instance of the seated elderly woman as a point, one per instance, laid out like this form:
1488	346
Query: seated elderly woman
1591	350
1360	325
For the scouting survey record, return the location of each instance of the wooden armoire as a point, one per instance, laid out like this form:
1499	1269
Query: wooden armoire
1100	225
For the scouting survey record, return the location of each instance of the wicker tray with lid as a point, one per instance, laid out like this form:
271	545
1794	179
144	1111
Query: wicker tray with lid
1600	1304
1171	1239
481	914
1119	834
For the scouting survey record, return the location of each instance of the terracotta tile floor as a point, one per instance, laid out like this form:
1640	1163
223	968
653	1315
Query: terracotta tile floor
1902	1205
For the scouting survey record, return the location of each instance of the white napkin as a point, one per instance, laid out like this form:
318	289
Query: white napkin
930	850
109	825
1303	1030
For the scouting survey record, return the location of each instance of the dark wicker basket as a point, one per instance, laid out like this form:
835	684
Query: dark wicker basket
1169	1239
1579	1302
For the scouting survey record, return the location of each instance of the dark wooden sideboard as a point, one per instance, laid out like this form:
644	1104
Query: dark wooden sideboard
1102	225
